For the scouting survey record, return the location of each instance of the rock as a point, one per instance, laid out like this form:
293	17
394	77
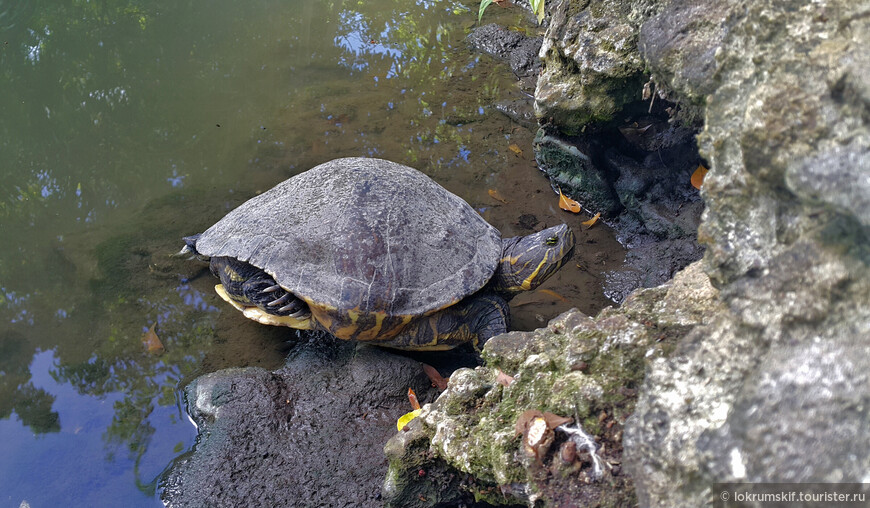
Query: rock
308	434
517	50
773	388
578	367
592	67
573	171
520	110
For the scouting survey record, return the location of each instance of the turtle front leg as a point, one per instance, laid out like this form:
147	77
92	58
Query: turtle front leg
475	320
266	294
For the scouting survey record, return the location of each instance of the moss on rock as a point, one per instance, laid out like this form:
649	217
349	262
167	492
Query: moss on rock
583	368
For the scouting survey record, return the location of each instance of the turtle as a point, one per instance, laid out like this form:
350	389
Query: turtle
372	250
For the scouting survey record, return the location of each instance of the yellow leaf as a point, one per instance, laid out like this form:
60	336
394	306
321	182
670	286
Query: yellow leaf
516	150
494	194
698	176
591	222
406	418
568	204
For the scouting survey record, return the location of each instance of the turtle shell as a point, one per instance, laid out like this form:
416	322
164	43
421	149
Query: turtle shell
369	244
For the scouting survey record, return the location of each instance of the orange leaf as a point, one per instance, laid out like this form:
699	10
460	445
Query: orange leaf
494	194
152	341
591	222
415	404
698	176
516	150
568	204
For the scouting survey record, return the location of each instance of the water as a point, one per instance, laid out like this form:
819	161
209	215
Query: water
127	125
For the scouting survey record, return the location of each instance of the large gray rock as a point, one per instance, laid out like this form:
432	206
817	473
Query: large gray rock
308	434
776	387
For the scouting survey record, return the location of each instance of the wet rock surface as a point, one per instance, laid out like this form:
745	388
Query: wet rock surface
517	50
308	434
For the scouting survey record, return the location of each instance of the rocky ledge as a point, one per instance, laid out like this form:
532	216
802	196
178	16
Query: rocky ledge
752	365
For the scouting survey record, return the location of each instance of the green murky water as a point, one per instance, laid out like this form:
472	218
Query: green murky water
127	124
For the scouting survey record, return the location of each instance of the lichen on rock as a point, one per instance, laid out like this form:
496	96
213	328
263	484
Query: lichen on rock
591	64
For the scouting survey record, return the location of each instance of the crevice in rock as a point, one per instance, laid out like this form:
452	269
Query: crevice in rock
636	170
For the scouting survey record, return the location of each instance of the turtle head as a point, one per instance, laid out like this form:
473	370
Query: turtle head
189	248
527	261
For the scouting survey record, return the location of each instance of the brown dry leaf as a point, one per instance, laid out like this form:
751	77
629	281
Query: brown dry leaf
494	194
698	176
503	379
553	293
438	381
591	222
152	341
554	420
415	404
516	150
568	204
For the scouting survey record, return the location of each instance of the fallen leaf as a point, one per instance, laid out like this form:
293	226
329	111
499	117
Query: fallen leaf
554	420
412	397
438	381
152	341
698	176
503	379
406	418
568	204
494	194
591	222
516	150
553	293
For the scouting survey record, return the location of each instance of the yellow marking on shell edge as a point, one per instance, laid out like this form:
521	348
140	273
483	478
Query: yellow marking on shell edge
373	332
348	331
259	315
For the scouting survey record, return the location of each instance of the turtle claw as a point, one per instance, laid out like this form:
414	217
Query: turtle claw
280	301
291	306
299	313
271	289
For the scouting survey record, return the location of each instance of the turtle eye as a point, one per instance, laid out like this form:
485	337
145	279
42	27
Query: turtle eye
552	240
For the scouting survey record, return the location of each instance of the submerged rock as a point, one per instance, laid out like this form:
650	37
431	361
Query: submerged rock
308	434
